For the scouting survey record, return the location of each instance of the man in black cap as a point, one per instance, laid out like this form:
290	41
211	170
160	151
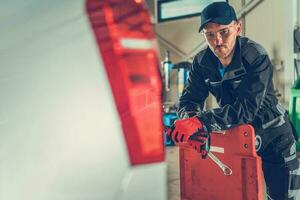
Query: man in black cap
238	72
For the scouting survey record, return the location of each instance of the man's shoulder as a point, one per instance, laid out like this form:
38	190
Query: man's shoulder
251	50
205	57
199	56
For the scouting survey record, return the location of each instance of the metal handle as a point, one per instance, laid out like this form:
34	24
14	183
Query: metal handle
166	73
219	132
167	65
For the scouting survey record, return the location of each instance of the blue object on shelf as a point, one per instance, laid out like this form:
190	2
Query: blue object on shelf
168	120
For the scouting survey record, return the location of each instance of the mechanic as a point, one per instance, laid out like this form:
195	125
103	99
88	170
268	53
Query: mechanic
238	73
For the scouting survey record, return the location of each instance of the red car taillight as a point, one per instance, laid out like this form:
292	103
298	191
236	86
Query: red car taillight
126	41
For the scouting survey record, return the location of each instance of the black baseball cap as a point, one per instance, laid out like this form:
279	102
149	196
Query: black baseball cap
217	12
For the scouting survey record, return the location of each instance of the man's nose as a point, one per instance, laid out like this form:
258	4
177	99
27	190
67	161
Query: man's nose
218	39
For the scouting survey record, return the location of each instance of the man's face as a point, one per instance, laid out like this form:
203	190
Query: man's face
221	38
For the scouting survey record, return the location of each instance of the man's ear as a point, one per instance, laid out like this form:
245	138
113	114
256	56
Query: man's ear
239	26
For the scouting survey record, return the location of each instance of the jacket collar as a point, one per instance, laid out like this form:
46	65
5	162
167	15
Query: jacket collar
233	70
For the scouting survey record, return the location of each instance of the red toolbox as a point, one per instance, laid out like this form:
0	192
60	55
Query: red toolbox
203	179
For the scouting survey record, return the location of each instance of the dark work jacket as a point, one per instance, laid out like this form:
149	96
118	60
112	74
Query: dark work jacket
245	94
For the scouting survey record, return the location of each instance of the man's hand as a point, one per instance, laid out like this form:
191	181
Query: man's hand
183	129
200	141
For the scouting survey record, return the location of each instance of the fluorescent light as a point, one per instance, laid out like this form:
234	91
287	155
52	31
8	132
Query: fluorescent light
176	9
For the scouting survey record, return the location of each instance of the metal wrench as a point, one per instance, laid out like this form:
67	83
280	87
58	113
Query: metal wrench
227	171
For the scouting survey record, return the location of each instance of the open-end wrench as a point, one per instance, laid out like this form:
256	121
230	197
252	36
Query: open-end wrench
227	171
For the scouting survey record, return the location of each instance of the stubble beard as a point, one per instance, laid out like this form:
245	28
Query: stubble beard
222	54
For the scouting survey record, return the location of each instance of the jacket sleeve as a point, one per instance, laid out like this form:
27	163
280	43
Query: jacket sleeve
194	94
250	95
